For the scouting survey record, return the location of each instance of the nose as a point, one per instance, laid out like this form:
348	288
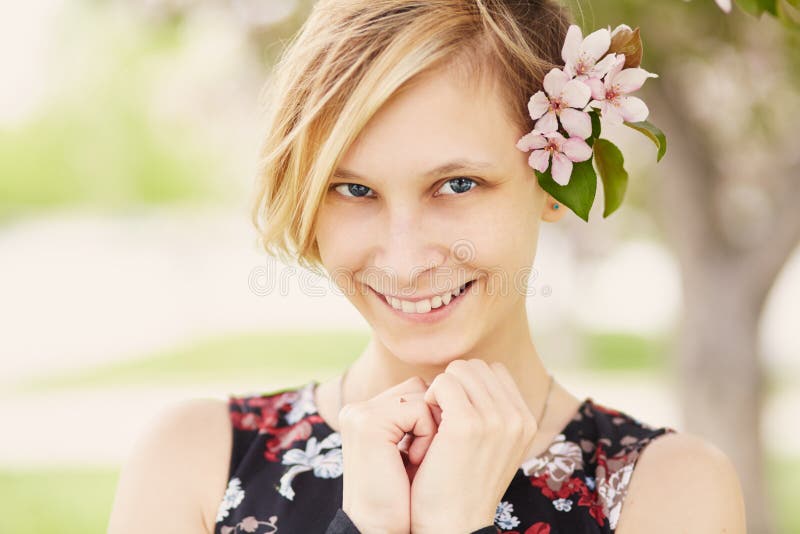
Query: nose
408	254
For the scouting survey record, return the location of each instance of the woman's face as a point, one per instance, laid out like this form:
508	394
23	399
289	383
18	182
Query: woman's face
390	227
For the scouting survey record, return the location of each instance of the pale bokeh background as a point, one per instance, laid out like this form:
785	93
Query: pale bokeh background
130	277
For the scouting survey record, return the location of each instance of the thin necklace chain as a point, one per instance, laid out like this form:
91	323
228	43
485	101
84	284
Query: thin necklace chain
550	381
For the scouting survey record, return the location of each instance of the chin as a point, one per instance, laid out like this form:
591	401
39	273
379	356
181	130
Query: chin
424	351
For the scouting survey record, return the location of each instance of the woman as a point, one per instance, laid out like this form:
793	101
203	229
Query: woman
392	165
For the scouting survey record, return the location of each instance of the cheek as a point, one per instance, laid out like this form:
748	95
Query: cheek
339	237
503	235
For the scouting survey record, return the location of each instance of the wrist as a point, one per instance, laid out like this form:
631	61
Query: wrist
481	527
365	526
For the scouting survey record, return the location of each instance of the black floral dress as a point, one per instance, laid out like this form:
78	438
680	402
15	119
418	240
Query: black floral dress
285	473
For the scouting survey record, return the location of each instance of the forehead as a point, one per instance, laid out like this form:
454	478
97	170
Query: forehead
438	117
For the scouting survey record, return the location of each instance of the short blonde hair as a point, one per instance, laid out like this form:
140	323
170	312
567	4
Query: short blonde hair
350	57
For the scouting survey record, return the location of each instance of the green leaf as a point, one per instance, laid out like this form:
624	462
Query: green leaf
578	194
789	13
655	135
610	165
757	7
770	6
595	116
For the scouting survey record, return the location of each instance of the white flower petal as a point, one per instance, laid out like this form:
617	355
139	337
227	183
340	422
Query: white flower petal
611	113
597	43
576	94
630	80
548	123
572	44
555	137
554	82
602	67
615	69
538	105
576	123
576	149
633	109
562	168
597	87
531	140
539	160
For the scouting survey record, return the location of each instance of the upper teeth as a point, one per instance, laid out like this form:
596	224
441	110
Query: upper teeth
424	305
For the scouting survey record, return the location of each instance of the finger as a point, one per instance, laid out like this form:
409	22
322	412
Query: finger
503	374
413	422
414	384
468	375
405	443
446	393
497	388
502	395
419	437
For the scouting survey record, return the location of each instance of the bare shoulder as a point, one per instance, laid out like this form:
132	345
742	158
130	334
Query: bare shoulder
176	474
683	483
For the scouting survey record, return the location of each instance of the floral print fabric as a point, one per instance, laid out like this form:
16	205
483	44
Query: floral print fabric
285	473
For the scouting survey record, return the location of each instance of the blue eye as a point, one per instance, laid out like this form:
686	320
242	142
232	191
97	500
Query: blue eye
461	186
357	190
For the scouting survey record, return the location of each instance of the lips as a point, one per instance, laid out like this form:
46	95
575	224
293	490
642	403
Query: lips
408	299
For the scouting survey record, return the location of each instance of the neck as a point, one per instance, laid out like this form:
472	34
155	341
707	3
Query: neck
378	368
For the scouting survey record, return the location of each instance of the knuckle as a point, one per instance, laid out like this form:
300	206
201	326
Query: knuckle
479	362
530	426
456	364
417	382
353	415
515	426
443	377
500	368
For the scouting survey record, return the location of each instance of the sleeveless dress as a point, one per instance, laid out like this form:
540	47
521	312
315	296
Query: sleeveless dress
285	473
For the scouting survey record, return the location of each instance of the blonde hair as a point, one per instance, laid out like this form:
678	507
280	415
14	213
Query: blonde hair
350	57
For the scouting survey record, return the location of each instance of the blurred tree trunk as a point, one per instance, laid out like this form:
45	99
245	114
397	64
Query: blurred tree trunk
730	258
724	290
727	200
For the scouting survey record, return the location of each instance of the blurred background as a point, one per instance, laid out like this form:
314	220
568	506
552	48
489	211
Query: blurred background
130	277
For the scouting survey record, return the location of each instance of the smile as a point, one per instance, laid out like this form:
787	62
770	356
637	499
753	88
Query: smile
427	310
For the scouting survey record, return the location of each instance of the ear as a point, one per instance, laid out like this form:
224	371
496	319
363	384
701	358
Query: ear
553	210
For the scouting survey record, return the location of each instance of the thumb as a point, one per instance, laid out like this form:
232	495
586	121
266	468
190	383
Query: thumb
436	412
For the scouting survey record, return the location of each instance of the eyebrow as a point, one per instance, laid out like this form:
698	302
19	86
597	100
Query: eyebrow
461	164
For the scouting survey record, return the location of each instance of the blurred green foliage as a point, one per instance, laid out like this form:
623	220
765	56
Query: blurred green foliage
56	501
99	141
621	351
279	357
105	157
787	11
276	357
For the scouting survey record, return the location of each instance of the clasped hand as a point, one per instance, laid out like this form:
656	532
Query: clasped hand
442	460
